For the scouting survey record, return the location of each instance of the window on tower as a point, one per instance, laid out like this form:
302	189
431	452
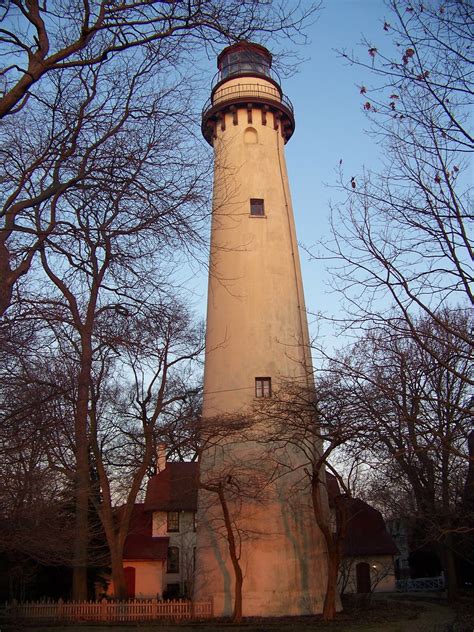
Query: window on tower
257	207
263	387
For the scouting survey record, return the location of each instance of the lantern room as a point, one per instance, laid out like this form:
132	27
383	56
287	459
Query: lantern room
242	59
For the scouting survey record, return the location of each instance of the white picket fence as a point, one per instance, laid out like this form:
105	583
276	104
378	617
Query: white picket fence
123	611
421	584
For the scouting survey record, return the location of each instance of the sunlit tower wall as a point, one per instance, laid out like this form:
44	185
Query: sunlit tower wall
256	341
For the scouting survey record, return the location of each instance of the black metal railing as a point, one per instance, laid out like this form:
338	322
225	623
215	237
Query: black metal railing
247	91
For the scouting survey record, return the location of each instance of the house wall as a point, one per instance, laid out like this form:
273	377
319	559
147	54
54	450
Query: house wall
382	573
148	578
185	540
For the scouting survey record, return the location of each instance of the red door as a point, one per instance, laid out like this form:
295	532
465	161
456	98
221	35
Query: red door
130	581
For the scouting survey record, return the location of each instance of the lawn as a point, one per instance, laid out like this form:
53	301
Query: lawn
383	615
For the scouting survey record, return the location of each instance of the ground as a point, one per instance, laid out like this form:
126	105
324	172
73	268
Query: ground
400	614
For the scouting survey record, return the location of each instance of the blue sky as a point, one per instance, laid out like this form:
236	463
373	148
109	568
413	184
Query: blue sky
330	126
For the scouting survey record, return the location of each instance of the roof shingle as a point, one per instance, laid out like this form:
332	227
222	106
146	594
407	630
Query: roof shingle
174	488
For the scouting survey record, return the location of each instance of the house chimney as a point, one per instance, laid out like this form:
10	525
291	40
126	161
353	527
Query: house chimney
161	457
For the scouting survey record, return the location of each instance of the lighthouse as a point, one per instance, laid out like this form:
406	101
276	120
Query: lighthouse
256	341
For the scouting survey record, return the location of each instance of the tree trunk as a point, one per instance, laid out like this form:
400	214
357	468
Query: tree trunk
329	609
81	536
118	574
333	544
449	565
6	286
79	581
239	578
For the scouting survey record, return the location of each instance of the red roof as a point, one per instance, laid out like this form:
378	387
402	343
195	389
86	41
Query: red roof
144	547
366	532
139	543
174	488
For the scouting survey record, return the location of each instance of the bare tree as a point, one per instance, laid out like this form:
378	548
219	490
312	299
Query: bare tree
39	39
37	452
417	416
402	237
318	427
137	197
157	349
57	58
231	491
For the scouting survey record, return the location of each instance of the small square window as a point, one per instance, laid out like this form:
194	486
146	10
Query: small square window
257	207
173	521
263	387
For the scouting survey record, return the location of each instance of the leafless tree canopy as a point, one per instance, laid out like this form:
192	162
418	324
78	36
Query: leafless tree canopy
416	415
94	94
402	237
38	38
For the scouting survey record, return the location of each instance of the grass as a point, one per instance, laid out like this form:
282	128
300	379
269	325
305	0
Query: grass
382	615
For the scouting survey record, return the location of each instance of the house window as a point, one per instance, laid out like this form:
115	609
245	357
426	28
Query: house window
263	387
194	521
257	207
173	521
172	561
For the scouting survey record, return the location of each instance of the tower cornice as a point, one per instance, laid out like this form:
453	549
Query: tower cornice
213	116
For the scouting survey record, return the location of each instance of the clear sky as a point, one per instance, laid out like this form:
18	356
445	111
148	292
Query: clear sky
330	126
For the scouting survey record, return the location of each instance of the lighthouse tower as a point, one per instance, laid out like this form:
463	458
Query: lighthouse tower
256	341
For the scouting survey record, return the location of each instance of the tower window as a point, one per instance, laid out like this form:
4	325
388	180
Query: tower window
173	521
257	207
263	387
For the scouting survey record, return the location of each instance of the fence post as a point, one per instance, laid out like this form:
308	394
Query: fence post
60	609
103	609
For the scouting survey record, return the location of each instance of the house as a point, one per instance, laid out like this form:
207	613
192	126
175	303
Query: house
171	499
369	551
368	548
144	557
159	552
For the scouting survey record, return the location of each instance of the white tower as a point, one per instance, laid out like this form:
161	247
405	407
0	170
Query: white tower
256	339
